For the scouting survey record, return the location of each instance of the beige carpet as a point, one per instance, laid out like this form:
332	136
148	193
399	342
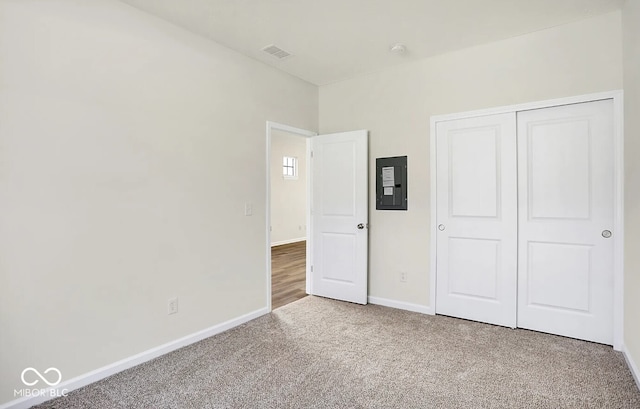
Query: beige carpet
319	353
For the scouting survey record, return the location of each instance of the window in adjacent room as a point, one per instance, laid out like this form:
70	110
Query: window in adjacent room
289	167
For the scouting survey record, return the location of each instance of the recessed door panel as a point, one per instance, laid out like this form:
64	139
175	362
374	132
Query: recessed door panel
559	276
474	189
559	158
338	257
477	220
339	178
474	268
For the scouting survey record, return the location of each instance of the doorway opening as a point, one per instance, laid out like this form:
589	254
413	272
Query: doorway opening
288	214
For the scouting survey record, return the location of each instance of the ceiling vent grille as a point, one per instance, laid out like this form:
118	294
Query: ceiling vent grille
277	52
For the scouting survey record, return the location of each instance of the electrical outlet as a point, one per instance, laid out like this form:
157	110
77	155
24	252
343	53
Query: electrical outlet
248	209
172	306
403	276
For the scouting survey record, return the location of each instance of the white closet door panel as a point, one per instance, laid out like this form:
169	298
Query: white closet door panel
476	213
565	189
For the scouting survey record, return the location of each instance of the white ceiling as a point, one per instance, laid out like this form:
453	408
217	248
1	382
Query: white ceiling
332	40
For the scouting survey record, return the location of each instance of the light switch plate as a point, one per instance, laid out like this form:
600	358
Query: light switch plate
172	305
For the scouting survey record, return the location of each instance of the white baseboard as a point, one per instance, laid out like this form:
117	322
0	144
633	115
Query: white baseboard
401	305
280	243
632	366
106	371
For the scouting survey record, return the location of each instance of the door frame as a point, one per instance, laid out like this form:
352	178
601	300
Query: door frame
275	126
618	186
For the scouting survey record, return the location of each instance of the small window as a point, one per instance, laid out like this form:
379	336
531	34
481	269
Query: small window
289	167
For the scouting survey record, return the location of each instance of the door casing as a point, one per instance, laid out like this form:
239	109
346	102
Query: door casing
618	188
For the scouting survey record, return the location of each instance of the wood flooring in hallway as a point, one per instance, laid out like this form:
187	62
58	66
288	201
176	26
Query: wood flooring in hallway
288	270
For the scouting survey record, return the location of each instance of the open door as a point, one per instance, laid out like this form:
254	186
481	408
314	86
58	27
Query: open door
339	216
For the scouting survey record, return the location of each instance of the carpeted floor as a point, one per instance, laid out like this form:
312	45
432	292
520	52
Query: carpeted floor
319	353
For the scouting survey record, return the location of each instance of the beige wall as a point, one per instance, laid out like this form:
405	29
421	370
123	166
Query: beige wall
396	104
631	52
128	148
288	196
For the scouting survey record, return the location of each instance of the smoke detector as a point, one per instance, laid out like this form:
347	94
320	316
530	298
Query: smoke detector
398	48
276	52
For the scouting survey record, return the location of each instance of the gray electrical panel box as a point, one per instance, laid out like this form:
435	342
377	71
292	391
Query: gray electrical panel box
391	183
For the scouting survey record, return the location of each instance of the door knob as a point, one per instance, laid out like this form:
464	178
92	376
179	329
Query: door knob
606	233
360	226
441	227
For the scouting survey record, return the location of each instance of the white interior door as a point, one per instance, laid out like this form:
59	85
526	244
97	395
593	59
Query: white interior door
339	214
476	253
565	167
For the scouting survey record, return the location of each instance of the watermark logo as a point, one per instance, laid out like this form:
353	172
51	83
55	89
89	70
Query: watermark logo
41	376
31	377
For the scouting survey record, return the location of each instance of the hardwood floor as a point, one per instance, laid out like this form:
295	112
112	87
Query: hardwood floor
288	269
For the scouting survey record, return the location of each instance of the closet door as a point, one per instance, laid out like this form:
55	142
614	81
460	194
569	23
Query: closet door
565	195
476	251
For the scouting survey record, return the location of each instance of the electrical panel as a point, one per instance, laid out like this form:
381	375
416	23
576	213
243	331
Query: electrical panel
391	183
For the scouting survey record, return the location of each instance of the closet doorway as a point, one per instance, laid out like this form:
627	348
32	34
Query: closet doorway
527	219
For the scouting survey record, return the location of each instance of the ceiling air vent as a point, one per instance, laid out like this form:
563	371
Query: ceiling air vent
277	52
